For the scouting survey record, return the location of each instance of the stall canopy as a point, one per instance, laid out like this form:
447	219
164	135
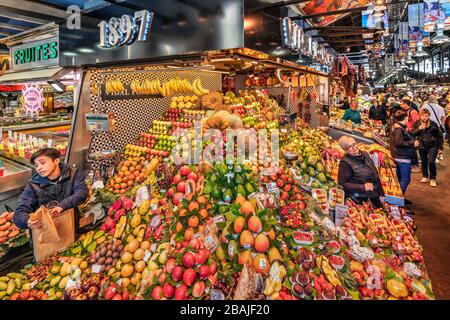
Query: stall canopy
34	75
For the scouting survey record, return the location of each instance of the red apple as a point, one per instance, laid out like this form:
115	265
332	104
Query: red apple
203	272
168	290
180	292
185	170
177	273
201	256
157	293
188	260
189	277
181	187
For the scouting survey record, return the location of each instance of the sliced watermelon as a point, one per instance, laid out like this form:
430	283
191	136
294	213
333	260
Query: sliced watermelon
302	237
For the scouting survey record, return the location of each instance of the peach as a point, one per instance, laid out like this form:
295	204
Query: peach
254	224
245	257
246	239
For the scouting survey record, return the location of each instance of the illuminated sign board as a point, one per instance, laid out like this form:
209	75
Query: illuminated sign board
43	53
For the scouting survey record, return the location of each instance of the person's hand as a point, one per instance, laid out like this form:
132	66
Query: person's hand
54	212
416	143
33	224
368	186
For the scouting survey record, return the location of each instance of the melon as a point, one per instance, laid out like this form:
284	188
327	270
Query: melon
262	243
261	264
254	224
246	239
247	208
239	224
245	257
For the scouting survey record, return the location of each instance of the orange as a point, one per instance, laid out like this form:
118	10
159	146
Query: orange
193	206
118	180
204	213
132	169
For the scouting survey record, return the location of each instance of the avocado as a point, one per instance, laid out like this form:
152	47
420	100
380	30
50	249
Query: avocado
241	190
249	188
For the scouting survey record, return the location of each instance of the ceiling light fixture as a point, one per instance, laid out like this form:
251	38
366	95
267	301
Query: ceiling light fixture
440	37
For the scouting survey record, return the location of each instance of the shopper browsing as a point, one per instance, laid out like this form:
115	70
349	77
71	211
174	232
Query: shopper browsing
358	174
437	113
429	140
352	114
54	181
377	112
402	149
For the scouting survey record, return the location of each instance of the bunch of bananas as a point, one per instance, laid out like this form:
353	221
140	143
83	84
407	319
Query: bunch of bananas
114	86
146	87
198	88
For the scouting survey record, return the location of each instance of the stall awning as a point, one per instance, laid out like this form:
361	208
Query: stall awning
34	75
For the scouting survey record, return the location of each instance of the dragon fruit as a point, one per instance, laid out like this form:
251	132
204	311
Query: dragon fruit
109	223
117	205
118	214
127	203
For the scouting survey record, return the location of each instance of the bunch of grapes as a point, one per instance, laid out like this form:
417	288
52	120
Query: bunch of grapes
160	169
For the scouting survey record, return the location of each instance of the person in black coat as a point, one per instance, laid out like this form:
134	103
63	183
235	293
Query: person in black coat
358	174
402	149
53	182
430	140
378	112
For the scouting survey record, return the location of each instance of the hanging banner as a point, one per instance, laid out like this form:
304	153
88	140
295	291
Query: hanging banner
414	32
445	8
431	14
403	34
368	20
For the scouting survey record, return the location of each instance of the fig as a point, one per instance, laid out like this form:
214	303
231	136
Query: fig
115	255
101	260
303	278
329	295
298	289
306	265
109	253
299	259
293	279
308	290
340	291
91	261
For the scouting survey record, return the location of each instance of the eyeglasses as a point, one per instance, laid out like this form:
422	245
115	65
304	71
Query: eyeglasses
352	146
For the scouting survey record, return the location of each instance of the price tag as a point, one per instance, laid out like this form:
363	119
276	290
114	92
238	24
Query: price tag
217	295
147	255
272	188
119	282
98	184
283	130
211	243
153	247
71	283
395	212
340	214
33	284
96	268
219	219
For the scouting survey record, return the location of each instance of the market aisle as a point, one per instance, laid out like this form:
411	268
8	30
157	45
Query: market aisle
432	211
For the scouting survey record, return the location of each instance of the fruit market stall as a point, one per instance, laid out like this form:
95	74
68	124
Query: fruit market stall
229	230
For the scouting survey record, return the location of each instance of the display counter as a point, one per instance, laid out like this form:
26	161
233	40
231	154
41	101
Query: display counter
335	134
38	125
15	176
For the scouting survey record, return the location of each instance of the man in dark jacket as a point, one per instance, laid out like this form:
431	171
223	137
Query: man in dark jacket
378	112
358	174
53	182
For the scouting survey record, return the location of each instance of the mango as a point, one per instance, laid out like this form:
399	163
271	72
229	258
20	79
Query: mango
101	240
3	286
76	262
4	279
55	281
18	282
2	294
11	286
87	239
135	220
63	282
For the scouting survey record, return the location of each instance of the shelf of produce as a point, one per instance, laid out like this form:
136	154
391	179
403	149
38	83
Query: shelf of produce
335	134
16	176
33	126
22	161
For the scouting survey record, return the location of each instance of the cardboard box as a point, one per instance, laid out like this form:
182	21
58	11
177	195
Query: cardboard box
65	228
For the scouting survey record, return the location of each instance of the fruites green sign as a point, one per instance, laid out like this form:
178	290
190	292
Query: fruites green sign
36	54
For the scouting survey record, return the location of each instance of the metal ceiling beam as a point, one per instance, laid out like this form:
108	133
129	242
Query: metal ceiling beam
6	33
277	5
329	13
7	13
338	28
343	34
12	26
36	7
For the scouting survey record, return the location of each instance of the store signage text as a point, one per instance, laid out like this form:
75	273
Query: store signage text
33	99
35	54
126	29
295	38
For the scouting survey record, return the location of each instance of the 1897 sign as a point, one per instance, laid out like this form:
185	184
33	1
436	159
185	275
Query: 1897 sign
124	30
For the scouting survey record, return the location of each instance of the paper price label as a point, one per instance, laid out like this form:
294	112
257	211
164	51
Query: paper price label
33	284
147	255
340	214
217	295
71	283
395	212
96	268
219	219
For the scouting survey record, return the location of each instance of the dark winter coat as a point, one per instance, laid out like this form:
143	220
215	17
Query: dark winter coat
355	171
402	143
70	191
378	113
429	137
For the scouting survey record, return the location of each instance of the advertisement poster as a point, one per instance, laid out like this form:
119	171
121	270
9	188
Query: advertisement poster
321	6
431	14
415	34
371	22
445	7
